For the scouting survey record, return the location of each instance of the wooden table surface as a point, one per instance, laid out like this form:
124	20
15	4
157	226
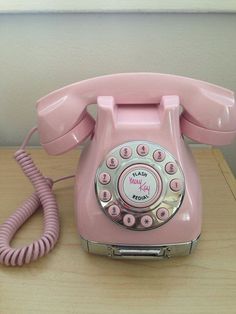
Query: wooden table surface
69	280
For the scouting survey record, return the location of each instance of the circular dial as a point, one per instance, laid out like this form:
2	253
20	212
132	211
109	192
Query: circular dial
139	185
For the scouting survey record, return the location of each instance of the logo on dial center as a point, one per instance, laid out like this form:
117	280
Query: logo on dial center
139	185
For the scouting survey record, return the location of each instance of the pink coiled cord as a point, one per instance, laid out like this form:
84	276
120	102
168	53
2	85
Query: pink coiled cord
42	197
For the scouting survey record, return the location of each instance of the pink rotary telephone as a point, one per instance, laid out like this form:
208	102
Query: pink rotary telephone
137	192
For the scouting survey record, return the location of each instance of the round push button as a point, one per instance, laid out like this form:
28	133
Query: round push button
159	155
105	195
162	213
112	162
171	168
175	185
146	221
142	149
114	211
140	185
129	220
125	152
104	178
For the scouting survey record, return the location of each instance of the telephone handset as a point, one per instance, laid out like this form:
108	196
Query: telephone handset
137	192
208	116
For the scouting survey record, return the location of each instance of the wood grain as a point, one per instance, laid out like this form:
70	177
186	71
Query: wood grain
71	281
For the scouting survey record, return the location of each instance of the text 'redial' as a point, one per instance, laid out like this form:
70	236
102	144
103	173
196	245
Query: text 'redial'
140	185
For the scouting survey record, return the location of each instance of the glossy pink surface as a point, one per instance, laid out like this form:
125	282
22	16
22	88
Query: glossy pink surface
136	106
205	105
115	125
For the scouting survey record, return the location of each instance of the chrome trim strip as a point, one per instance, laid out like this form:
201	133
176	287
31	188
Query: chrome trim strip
140	251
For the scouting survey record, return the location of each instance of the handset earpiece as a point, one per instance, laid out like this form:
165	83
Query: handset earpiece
63	121
204	135
210	116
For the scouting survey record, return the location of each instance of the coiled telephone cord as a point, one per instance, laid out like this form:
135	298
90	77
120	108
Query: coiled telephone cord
42	197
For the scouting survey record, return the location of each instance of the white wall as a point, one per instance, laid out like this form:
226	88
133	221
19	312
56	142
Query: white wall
16	6
39	53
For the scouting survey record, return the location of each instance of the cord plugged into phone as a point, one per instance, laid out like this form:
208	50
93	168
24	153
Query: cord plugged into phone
137	191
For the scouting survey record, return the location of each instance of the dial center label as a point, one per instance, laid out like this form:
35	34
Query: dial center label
139	185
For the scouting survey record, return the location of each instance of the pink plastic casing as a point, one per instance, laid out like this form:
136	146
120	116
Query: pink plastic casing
116	125
142	106
209	111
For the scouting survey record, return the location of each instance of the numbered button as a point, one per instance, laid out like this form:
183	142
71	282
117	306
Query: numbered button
162	213
104	178
125	152
112	162
176	185
142	150
128	220
105	195
146	221
171	168
159	155
114	211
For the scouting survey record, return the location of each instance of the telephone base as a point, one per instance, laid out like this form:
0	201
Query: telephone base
140	251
